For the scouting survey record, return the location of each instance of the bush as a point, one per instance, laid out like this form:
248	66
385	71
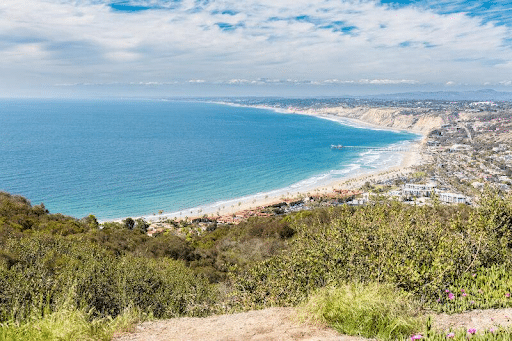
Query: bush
419	249
373	310
68	323
486	288
47	270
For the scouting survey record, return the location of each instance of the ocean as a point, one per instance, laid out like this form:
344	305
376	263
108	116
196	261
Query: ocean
134	158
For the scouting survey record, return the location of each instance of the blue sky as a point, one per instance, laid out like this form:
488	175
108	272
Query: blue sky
54	48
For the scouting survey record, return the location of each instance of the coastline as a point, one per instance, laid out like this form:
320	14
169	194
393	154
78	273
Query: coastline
408	159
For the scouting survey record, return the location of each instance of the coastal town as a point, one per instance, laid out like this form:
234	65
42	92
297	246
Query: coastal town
465	149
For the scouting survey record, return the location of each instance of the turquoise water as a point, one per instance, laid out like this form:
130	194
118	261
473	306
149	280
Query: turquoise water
132	158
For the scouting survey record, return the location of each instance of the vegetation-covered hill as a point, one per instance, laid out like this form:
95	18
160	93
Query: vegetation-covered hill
443	258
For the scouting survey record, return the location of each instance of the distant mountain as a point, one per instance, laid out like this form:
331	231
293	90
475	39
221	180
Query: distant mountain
479	95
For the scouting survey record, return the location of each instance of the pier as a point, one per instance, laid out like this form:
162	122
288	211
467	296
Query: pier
377	149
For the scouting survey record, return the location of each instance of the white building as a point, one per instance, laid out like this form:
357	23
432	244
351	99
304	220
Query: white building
452	198
418	190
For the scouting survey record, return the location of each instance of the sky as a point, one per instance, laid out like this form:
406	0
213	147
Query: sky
138	48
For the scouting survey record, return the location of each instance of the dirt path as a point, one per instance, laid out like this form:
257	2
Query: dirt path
279	324
479	319
271	324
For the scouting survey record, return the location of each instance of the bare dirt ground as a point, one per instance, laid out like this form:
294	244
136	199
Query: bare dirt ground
271	324
281	324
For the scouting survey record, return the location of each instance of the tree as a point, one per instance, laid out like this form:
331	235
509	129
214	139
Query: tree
129	223
142	225
91	221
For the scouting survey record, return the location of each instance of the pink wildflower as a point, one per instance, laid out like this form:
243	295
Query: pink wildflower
462	290
450	335
447	290
472	331
491	330
416	337
507	294
464	294
451	296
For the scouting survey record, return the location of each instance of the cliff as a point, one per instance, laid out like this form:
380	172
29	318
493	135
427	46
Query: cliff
394	118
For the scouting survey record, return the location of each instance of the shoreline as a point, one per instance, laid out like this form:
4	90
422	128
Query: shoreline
255	201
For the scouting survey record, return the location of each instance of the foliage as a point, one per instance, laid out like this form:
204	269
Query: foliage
372	310
491	334
51	264
18	215
256	239
42	272
486	288
420	249
69	323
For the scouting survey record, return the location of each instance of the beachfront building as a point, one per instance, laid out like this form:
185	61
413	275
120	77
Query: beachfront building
453	198
418	190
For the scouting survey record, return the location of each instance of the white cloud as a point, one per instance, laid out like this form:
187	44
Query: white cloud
248	42
122	56
387	81
337	81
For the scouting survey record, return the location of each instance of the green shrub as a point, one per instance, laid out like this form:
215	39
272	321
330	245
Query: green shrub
420	249
68	324
373	310
486	288
491	334
47	270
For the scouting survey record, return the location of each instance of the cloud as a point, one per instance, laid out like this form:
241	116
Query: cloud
337	81
291	42
387	81
238	81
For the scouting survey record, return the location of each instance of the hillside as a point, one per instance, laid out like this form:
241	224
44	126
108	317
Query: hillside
377	271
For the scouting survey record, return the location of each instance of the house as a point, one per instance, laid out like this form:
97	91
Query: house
452	198
418	190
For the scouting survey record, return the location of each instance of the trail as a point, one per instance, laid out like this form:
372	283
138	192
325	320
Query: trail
280	324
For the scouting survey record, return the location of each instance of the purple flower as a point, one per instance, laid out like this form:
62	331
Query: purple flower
472	302
447	290
471	331
438	300
462	290
464	294
491	330
507	294
451	296
450	335
416	337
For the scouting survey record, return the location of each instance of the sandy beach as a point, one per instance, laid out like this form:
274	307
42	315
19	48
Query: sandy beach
409	159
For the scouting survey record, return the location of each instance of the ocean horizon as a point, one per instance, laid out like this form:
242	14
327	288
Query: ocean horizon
121	158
